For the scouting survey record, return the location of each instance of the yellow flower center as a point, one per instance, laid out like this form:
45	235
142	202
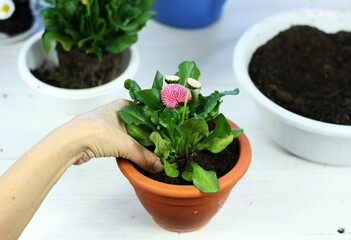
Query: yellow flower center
5	8
84	2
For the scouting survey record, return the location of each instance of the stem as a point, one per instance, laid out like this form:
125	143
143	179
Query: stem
87	3
186	153
153	128
184	107
170	133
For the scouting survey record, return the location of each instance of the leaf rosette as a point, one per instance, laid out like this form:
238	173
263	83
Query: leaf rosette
95	26
173	117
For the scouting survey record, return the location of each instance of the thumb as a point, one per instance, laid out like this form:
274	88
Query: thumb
142	156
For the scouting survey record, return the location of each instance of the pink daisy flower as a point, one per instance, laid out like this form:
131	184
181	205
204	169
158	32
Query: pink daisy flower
172	94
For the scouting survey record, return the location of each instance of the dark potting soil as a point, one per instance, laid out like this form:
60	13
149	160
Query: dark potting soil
78	70
20	21
221	163
307	72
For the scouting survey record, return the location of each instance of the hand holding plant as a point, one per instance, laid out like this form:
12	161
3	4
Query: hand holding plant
178	121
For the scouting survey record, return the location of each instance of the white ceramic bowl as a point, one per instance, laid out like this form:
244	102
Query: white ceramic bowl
71	101
310	139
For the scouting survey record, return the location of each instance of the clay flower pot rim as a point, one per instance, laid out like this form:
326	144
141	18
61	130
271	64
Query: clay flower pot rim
72	94
262	31
190	191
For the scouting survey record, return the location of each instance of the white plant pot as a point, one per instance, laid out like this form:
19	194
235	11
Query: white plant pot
71	101
310	139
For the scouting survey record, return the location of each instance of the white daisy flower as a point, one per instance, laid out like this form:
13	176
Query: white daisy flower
172	79
194	83
7	8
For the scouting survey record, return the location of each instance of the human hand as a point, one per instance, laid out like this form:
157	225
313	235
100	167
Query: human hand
104	135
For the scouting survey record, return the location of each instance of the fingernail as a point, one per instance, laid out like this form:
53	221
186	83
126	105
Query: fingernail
158	167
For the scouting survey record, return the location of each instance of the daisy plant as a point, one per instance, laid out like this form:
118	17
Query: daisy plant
95	26
173	118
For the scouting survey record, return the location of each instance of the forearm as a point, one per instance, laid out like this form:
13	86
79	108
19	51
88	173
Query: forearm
25	185
99	133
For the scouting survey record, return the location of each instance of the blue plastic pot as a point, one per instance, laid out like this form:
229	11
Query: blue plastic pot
188	13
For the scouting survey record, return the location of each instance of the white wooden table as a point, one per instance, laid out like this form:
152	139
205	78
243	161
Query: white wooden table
281	196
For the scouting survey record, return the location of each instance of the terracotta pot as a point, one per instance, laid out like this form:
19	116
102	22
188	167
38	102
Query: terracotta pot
184	208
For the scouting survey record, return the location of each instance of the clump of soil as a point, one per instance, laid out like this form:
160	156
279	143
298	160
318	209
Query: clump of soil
308	72
220	163
78	70
21	20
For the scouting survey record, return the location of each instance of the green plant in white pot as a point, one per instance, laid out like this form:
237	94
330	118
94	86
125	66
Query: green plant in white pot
92	36
89	45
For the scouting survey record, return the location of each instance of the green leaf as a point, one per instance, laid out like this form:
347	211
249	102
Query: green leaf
152	115
236	132
205	181
187	69
129	12
219	138
133	114
168	119
170	169
133	88
162	146
151	98
179	145
50	37
73	33
191	131
216	145
187	174
81	43
142	20
70	8
208	106
140	134
232	92
122	43
146	5
158	81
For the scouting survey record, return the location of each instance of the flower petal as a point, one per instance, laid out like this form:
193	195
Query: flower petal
172	94
193	83
7	8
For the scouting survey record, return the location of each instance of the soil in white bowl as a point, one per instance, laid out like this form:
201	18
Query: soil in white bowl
79	70
308	72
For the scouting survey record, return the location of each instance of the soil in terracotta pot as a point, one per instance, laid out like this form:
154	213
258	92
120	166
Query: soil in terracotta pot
20	21
78	70
221	163
307	72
